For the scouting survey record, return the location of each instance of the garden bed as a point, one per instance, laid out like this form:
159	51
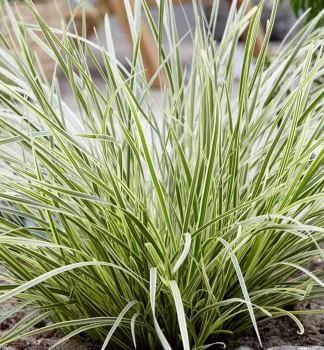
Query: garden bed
277	332
43	341
283	331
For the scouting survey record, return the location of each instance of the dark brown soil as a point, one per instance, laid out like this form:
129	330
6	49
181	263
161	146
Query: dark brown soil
277	332
45	340
41	341
283	331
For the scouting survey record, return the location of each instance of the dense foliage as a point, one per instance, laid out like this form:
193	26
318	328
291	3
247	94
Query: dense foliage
314	6
160	220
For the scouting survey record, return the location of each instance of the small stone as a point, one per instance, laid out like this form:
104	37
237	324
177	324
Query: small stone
243	348
40	324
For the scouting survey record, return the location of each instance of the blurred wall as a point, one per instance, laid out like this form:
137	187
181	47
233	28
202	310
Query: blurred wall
284	20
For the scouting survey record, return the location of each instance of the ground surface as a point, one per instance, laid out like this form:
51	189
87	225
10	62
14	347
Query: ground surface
278	332
43	341
283	331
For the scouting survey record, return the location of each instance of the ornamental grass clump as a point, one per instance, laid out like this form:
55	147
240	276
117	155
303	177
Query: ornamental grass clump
160	225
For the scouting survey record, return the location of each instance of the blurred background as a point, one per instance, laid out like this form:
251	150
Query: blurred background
184	15
53	11
185	18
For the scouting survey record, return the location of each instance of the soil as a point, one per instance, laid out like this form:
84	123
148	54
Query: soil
277	332
283	331
43	341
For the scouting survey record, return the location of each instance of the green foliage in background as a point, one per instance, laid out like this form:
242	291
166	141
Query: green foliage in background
161	219
314	6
